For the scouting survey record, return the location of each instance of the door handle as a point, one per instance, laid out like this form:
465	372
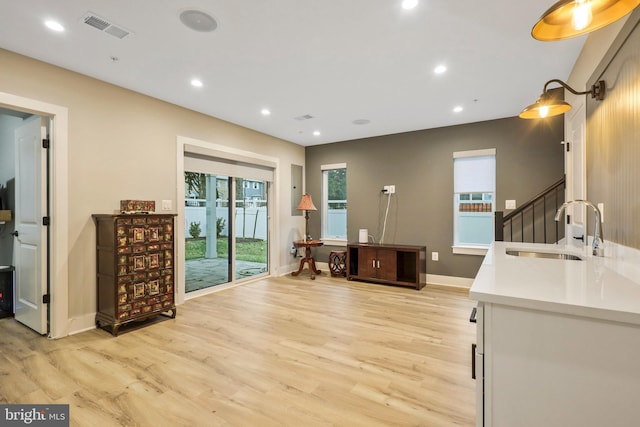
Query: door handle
473	361
15	233
378	264
474	315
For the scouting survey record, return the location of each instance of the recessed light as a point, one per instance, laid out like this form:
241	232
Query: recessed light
409	4
265	112
196	83
55	26
457	109
440	69
316	133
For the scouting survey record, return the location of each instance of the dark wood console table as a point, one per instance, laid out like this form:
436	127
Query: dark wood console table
308	259
402	265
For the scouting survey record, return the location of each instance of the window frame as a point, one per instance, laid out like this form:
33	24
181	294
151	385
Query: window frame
333	240
473	249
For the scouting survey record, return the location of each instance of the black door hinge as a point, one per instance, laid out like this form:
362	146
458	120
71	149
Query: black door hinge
46	143
46	220
46	299
568	145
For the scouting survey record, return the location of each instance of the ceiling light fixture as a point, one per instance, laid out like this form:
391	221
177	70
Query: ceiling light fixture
196	83
409	4
55	26
440	69
548	106
571	18
316	133
265	112
457	109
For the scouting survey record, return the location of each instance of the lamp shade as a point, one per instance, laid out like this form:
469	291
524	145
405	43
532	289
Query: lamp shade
545	106
306	204
572	18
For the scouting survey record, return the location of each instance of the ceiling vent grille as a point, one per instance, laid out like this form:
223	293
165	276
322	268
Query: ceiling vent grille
304	117
104	25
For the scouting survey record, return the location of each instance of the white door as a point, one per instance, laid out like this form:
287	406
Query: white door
575	162
31	236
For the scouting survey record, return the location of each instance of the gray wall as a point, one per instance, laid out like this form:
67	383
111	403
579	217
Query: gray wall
529	157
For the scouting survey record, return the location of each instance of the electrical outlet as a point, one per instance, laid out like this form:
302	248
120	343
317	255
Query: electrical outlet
389	189
435	256
509	204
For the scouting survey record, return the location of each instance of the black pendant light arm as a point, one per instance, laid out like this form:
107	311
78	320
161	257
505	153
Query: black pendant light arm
597	90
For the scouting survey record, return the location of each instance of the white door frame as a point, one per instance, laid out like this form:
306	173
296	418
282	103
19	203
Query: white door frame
575	168
59	206
222	151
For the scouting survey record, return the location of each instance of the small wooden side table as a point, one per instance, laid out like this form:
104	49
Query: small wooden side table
308	259
338	263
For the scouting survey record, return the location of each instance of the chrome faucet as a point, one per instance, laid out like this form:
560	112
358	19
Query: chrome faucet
598	240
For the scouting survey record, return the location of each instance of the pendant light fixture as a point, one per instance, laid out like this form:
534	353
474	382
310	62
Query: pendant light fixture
548	106
571	18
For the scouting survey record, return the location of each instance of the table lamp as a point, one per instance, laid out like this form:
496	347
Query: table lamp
306	205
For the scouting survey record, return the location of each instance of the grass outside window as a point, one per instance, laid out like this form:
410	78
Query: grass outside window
246	249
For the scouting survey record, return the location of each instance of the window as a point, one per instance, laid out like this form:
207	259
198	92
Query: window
334	203
474	182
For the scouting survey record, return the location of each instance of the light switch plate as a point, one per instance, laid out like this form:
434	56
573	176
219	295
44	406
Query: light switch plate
166	205
509	204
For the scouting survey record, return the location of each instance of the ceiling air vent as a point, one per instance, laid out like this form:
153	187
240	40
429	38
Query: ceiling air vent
304	117
104	25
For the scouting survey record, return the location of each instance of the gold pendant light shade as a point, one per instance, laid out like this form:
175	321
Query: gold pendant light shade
572	18
545	106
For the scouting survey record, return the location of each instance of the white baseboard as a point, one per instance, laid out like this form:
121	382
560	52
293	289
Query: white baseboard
283	271
83	323
433	279
457	282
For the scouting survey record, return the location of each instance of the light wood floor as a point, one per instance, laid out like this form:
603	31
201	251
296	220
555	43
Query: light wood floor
277	352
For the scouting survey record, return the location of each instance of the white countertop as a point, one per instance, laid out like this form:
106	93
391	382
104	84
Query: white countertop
598	287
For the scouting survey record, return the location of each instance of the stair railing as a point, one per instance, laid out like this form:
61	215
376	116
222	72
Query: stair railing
520	224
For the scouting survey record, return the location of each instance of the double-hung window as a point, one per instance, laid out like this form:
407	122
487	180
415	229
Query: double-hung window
334	204
474	187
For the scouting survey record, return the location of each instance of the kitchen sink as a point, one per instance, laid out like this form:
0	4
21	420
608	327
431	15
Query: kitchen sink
541	254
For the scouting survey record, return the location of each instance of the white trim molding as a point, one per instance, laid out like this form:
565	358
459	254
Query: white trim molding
59	322
452	281
470	250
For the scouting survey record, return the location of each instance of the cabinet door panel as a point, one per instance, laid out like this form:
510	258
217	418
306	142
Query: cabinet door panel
387	264
366	262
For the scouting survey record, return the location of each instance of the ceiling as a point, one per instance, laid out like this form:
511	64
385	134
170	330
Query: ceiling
346	69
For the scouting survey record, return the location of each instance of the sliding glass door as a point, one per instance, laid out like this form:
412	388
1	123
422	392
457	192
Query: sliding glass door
226	229
251	237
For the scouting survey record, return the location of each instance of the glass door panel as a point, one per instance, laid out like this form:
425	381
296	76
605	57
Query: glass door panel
207	255
251	236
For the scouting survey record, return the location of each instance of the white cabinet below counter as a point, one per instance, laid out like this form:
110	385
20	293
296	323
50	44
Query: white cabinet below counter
548	369
546	362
